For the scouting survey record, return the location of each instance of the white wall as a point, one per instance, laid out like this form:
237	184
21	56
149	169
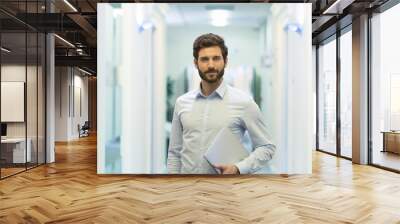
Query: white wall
61	103
69	84
80	110
13	72
33	127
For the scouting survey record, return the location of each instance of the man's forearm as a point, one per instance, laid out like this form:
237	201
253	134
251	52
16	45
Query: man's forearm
257	159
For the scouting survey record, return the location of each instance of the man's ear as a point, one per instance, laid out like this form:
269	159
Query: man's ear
226	61
195	63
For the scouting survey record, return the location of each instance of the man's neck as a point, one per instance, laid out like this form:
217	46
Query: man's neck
208	88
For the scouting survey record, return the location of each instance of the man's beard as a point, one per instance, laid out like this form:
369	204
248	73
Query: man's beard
216	77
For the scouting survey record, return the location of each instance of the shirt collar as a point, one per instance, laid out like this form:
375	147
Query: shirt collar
220	91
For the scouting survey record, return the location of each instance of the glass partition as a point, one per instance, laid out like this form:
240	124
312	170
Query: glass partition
31	100
41	107
346	94
385	95
14	153
327	97
22	88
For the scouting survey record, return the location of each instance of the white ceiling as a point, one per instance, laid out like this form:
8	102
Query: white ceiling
249	15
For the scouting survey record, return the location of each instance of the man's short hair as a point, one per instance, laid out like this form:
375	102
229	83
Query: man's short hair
209	40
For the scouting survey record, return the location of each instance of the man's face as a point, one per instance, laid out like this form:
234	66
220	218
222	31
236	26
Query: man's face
210	64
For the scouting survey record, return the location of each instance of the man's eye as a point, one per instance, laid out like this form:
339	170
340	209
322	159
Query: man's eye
203	59
217	58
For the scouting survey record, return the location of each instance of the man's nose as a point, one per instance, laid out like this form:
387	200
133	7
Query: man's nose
211	65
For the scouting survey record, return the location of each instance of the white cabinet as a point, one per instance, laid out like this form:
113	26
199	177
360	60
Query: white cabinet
18	149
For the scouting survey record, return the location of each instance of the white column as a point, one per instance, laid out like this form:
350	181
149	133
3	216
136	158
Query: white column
134	82
360	90
291	89
50	99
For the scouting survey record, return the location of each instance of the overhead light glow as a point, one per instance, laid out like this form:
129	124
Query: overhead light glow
65	41
219	23
219	17
70	5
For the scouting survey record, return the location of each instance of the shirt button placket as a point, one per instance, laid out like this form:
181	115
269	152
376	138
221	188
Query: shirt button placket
205	118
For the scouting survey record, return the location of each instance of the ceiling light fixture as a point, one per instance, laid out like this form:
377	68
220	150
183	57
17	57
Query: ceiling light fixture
64	40
84	71
5	50
70	5
219	17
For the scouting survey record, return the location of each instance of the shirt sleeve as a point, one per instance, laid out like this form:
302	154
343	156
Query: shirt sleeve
263	148
175	144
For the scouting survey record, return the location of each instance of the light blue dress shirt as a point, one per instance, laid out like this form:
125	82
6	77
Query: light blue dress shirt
197	119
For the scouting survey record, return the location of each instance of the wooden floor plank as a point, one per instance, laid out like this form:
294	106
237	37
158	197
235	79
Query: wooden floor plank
70	191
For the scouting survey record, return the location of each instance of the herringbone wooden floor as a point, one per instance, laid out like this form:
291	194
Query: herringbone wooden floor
70	191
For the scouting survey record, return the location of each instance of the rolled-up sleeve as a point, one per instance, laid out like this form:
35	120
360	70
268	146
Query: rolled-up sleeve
175	143
263	147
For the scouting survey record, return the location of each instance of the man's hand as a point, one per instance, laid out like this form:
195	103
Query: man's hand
227	169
